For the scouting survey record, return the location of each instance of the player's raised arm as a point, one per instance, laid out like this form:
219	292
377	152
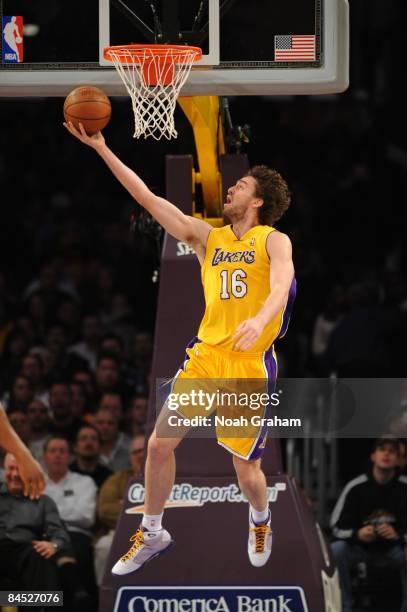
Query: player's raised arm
30	471
179	225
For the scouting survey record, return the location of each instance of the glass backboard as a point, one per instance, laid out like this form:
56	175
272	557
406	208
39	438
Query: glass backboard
258	48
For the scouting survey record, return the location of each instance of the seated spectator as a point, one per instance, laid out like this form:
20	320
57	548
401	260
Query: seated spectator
108	377
63	422
55	345
37	311
110	503
21	538
68	314
87	451
136	415
113	345
21	425
113	402
88	346
79	402
25	324
120	320
30	471
85	378
15	347
114	444
142	349
35	549
48	362
56	339
75	497
370	520
140	361
33	368
50	284
38	418
21	394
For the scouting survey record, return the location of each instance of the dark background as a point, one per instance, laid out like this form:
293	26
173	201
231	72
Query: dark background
69	31
343	156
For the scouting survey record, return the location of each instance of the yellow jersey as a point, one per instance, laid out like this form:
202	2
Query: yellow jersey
236	280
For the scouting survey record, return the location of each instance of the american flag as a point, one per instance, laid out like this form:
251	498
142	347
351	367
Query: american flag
294	48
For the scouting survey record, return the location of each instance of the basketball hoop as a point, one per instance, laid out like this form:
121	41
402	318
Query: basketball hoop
153	76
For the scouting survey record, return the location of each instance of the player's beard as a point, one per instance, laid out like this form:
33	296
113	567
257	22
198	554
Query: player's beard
235	213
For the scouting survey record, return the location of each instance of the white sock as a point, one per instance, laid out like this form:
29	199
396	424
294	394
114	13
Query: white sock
259	517
152	522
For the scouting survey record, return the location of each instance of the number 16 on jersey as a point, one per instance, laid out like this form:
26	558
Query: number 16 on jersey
232	283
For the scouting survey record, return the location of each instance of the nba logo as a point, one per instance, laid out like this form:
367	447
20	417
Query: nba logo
12	29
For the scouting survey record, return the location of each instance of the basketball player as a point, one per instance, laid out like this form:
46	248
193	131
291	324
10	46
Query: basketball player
30	471
249	285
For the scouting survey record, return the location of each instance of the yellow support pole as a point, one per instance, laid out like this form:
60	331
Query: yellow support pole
203	114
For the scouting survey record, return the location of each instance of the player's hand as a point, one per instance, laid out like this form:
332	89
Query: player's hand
247	333
367	534
96	141
387	532
44	548
31	474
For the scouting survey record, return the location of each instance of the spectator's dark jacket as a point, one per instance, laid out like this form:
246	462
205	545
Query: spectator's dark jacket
364	501
24	520
99	475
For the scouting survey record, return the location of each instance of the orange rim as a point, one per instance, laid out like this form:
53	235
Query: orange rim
137	52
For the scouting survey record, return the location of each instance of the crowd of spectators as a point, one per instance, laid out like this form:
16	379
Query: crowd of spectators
74	381
75	387
77	301
62	540
35	545
87	469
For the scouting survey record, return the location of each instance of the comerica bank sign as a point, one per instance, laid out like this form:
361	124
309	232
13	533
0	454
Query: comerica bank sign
211	599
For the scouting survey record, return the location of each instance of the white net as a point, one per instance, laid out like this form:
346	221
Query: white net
154	80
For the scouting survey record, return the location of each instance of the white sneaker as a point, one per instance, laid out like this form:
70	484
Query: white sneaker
147	545
260	542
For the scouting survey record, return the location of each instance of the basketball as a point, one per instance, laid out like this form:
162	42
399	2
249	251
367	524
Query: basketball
90	106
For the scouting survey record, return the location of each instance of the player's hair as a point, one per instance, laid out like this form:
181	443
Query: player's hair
273	190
